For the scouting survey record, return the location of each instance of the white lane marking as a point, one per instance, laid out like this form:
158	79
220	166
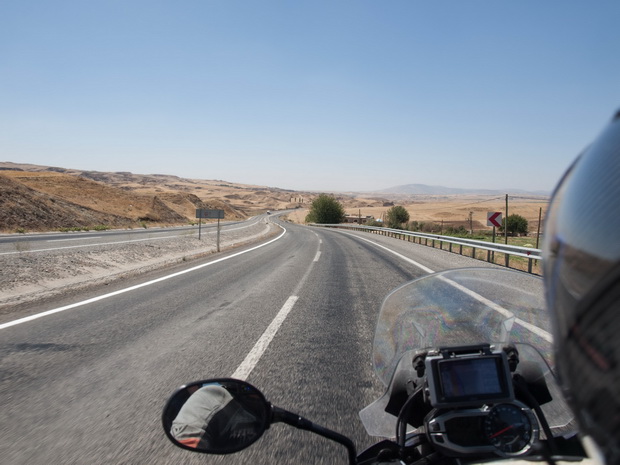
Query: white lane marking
254	356
498	308
407	259
489	303
87	245
317	256
536	330
243	371
242	227
75	239
133	288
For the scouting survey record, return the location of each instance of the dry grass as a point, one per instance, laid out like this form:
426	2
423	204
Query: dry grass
454	210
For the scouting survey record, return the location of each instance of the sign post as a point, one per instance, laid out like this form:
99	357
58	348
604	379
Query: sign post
218	232
494	219
210	214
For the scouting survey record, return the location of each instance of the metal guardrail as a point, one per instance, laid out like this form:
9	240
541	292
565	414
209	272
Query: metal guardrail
491	247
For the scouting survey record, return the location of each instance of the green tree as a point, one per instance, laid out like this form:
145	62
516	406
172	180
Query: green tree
396	216
516	225
326	209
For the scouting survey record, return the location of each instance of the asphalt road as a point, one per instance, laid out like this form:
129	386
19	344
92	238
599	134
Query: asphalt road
18	243
87	385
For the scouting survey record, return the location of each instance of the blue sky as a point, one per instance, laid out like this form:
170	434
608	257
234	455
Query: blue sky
320	95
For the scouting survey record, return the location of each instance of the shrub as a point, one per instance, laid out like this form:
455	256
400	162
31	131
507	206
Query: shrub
326	209
396	216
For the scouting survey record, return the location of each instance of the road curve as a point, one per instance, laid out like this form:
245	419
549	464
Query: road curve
87	385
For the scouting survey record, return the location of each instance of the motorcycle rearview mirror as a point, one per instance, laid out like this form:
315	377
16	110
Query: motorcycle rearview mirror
216	416
225	415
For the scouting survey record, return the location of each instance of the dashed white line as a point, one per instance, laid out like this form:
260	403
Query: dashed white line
243	371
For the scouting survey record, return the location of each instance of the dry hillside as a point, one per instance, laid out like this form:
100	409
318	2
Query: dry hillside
40	198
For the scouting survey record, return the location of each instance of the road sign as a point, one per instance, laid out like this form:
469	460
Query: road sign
494	219
210	214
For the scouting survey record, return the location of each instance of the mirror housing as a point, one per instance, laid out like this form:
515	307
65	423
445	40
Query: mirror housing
216	416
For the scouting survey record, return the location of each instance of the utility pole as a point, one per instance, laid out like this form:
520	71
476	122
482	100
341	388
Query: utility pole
539	220
506	222
507	257
471	223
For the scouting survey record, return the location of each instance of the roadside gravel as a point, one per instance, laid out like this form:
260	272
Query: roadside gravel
29	277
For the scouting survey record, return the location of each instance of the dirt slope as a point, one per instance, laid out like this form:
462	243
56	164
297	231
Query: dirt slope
24	208
40	198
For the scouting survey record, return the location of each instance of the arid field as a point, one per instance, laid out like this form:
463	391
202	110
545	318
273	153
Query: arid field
452	210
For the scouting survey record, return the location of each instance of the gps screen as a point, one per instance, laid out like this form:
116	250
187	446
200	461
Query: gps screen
470	378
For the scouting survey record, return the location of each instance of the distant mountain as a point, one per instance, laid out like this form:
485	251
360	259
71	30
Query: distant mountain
423	189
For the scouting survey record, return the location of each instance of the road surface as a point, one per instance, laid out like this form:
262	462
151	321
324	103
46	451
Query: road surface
32	243
87	383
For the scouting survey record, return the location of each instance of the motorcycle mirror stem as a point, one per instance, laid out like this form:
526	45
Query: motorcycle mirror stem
292	419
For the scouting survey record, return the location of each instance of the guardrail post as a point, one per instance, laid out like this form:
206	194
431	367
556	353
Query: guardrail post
450	247
529	265
488	255
507	261
473	252
460	249
433	243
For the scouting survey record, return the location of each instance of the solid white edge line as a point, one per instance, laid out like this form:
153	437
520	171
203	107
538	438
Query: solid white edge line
243	371
534	329
489	303
317	256
75	239
87	245
407	259
133	288
107	243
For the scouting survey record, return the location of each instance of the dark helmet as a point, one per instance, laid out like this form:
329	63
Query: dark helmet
582	280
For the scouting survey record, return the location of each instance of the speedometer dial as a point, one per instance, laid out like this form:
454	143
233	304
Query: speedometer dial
509	428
